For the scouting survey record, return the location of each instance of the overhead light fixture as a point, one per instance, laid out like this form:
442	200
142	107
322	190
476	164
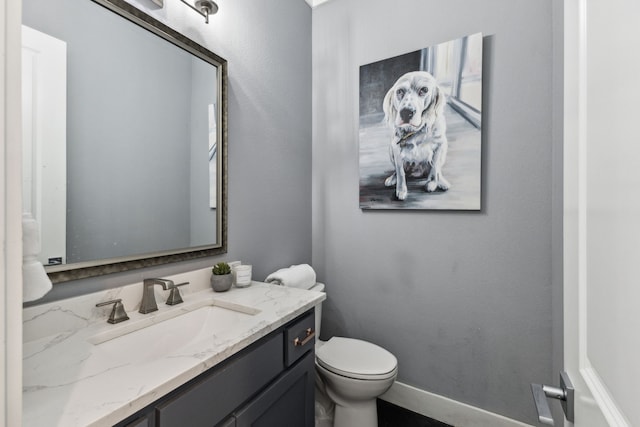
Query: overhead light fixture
204	8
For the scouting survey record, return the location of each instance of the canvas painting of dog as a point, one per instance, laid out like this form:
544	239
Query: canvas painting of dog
420	128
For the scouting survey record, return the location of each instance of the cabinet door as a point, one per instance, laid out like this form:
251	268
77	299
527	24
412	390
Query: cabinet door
208	401
230	422
287	402
141	422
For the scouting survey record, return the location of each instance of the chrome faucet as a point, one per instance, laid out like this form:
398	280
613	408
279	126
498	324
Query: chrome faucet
148	303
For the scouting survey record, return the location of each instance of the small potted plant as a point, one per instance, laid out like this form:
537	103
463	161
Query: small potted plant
221	279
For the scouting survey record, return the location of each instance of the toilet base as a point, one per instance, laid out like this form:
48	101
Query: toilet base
324	406
361	414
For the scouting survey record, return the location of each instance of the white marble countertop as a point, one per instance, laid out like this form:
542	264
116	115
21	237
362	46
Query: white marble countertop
68	382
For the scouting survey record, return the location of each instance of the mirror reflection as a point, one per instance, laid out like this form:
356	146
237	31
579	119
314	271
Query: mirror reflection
122	138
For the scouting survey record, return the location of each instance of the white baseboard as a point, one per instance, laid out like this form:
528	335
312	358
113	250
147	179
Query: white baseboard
445	410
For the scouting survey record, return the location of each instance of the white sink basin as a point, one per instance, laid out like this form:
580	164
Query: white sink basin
168	332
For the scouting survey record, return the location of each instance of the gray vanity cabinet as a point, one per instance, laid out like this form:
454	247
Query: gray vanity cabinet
268	384
287	402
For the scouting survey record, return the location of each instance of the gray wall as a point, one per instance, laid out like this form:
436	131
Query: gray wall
268	49
463	299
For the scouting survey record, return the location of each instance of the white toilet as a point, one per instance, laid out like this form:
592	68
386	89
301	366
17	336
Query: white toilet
352	373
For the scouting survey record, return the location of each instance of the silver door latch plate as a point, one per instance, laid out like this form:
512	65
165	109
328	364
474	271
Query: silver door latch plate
564	393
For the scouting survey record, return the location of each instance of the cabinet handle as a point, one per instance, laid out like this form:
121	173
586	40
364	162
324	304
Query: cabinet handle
300	342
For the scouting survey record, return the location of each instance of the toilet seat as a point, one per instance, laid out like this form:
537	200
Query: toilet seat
356	359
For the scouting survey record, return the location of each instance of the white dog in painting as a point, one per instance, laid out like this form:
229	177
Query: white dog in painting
414	109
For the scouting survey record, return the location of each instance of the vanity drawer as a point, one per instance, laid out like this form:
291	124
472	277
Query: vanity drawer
299	337
210	400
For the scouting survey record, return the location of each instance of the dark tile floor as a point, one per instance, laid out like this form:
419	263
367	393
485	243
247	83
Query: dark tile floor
390	415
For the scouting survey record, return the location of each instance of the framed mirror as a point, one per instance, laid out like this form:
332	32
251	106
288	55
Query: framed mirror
125	139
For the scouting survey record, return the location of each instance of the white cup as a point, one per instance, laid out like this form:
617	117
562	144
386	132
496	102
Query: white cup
233	265
243	275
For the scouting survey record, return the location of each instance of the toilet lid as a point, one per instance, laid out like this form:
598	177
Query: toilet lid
354	358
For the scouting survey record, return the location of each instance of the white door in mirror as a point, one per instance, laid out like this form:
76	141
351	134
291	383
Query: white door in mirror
44	113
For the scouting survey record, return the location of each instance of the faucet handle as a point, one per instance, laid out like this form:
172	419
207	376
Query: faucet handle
117	312
174	295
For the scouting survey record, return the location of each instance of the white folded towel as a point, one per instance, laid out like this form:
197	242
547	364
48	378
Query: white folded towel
297	276
35	281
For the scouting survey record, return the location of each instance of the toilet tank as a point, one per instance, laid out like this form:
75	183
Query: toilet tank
319	287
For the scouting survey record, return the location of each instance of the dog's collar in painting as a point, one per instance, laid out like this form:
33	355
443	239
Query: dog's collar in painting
409	135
